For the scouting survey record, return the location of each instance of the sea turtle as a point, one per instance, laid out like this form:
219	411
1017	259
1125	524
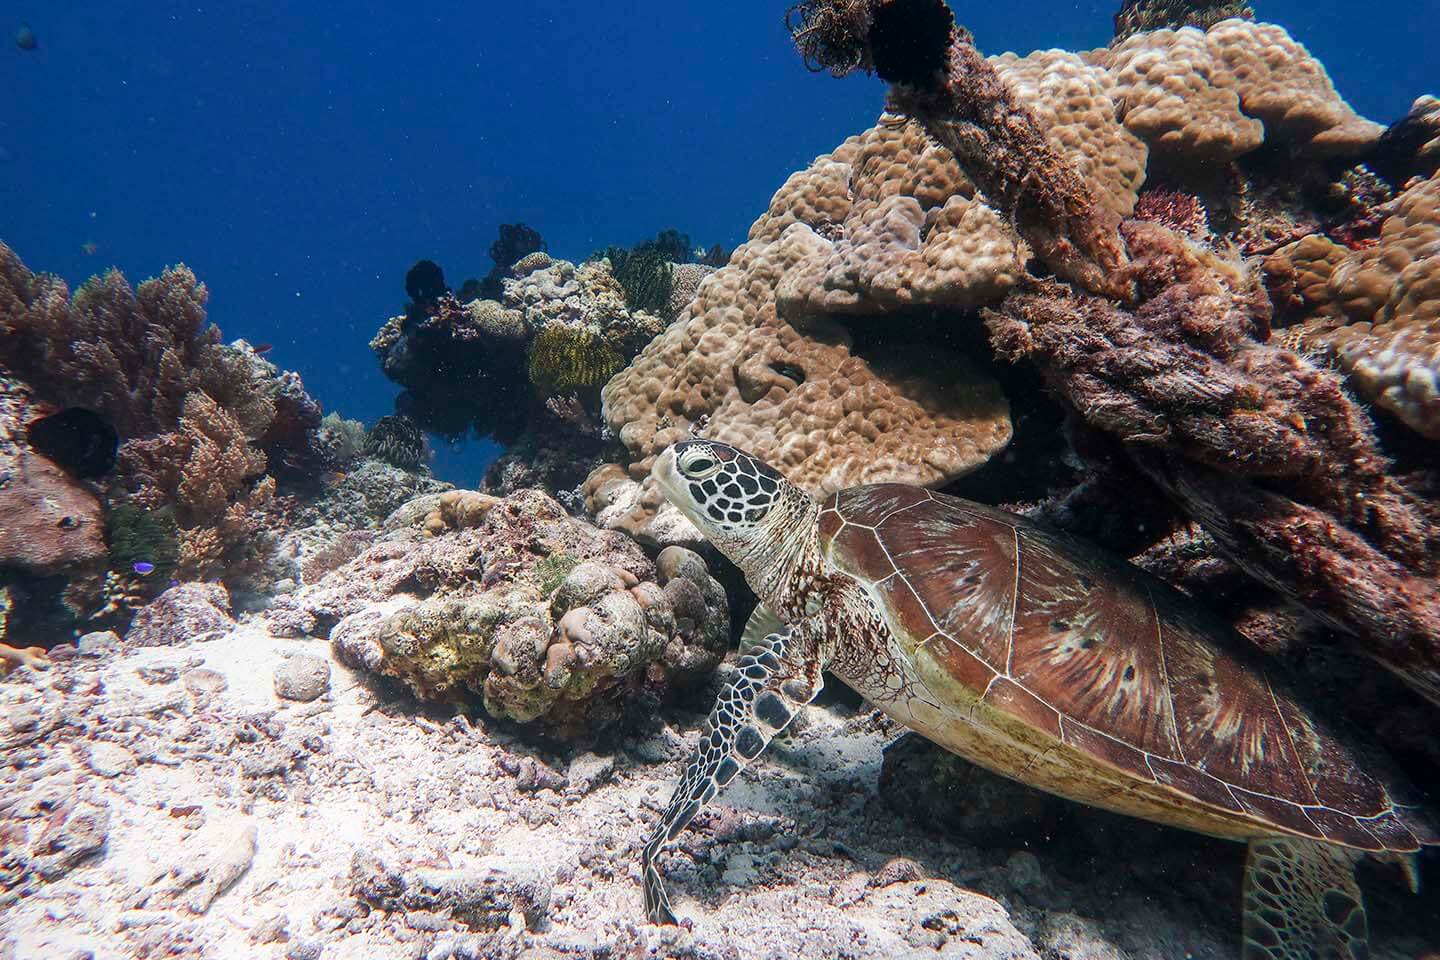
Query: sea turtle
1044	660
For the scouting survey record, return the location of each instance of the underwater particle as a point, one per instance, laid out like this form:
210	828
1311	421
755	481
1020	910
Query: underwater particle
425	282
564	359
398	441
78	439
25	38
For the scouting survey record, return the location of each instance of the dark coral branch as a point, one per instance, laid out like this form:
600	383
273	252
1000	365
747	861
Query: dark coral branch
1330	570
1265	451
943	82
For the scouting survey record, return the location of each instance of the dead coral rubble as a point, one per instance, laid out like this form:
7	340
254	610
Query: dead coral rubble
1162	343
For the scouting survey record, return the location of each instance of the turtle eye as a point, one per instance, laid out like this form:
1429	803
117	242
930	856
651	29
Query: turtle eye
699	467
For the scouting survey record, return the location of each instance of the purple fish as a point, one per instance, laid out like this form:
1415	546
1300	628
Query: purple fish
142	567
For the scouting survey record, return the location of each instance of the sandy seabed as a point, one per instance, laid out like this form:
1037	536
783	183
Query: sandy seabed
166	802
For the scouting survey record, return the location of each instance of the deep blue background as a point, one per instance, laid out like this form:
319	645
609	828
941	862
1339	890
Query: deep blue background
299	159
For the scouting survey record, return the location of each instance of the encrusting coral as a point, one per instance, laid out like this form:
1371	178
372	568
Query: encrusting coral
1161	343
1209	97
550	620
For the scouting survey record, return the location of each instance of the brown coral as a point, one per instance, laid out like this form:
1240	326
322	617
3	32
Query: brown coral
550	620
1213	96
802	398
1377	309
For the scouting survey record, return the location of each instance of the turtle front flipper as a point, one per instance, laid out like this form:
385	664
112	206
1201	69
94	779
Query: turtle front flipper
775	680
1302	902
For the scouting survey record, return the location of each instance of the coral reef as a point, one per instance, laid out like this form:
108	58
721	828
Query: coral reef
205	427
1376	309
1208	97
516	241
487	367
458	377
551	621
1139	16
1161	343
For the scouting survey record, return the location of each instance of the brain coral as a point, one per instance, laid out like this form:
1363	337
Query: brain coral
1215	95
1378	308
802	395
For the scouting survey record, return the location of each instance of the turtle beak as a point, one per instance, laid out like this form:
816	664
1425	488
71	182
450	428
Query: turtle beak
668	476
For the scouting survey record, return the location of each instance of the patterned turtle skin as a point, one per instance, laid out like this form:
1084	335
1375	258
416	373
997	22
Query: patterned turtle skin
1043	659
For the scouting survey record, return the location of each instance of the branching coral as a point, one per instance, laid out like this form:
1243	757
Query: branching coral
201	421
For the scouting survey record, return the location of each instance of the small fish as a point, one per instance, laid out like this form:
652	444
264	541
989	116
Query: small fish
25	38
89	248
263	348
143	567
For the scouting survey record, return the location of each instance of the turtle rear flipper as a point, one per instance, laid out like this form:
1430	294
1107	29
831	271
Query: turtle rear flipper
777	676
1302	902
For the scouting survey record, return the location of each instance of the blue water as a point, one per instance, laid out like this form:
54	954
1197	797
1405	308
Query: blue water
300	158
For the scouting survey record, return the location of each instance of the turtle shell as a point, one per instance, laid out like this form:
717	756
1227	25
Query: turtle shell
1113	663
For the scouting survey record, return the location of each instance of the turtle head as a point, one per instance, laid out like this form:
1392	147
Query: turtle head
742	505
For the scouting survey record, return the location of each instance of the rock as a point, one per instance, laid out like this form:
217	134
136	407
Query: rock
305	950
302	677
550	620
74	832
203	684
109	759
1065	936
482	897
270	930
588	771
99	643
49	522
181	614
896	870
219	869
